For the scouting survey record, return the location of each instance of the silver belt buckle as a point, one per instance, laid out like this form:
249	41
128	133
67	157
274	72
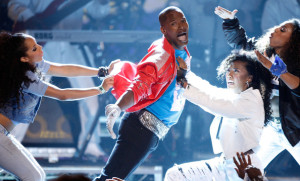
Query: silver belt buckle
152	123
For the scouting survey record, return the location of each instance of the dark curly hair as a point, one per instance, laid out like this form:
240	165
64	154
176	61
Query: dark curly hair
261	77
291	53
12	69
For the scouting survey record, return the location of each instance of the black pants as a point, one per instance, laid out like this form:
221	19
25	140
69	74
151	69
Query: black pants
134	144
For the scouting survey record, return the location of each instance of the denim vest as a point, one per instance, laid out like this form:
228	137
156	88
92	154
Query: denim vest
31	100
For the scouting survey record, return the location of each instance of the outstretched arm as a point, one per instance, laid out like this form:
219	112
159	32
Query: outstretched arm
78	93
234	33
224	13
73	70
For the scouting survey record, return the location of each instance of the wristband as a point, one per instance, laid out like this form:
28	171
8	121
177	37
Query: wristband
182	81
102	72
278	67
181	76
101	89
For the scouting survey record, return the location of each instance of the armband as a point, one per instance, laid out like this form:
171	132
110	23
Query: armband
278	67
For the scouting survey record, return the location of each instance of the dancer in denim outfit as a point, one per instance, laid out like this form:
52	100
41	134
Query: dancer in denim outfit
22	88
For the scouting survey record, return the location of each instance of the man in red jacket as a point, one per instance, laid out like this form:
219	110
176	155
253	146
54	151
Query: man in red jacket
153	101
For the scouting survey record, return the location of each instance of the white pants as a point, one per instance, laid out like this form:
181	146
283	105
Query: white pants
16	159
216	169
273	141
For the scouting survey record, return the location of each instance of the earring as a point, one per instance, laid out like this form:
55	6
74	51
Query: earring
247	84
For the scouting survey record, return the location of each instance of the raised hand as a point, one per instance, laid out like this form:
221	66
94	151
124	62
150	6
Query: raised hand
112	113
241	165
224	13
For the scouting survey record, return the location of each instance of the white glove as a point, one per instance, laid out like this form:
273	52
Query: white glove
112	112
224	13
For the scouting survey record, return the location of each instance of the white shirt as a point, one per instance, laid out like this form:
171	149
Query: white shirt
243	115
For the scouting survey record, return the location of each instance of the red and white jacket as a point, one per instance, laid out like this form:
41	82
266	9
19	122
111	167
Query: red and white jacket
154	74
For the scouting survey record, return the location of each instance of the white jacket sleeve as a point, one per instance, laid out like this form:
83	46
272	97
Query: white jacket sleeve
220	101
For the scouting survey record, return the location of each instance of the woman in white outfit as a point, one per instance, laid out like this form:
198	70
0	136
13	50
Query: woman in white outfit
240	112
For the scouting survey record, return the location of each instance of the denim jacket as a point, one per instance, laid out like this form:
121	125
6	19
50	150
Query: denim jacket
31	100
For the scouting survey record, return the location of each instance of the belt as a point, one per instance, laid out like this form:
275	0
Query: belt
3	130
152	123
